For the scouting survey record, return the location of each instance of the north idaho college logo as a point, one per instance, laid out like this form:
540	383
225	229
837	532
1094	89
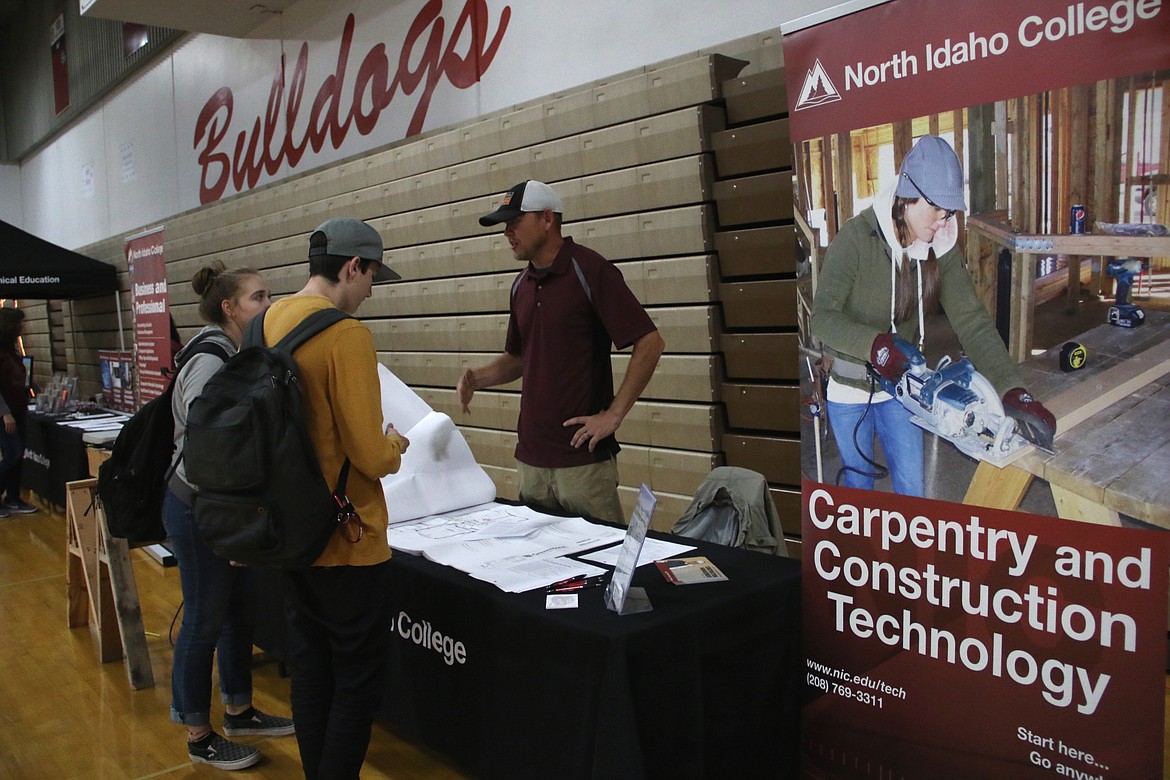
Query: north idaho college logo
818	89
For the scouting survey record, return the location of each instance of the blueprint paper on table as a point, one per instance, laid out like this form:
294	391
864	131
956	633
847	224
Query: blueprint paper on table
515	548
438	473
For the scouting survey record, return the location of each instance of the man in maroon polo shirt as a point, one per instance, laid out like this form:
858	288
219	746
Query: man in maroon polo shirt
567	307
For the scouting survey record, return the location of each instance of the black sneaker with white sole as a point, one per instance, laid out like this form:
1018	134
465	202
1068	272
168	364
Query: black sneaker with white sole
254	723
221	753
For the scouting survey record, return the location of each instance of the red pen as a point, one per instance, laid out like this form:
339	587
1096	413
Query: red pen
573	587
569	581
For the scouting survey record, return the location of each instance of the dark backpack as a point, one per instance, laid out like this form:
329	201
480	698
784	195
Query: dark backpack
260	497
132	481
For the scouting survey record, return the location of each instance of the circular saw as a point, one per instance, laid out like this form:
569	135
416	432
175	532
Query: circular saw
959	404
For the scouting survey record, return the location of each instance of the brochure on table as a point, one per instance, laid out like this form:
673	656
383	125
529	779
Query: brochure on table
619	596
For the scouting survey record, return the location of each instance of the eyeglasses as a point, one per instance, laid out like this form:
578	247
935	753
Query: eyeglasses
947	213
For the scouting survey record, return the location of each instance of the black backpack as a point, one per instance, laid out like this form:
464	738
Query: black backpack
260	497
132	481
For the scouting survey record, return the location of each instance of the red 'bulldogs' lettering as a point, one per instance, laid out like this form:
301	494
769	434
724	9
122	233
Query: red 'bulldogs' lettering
258	150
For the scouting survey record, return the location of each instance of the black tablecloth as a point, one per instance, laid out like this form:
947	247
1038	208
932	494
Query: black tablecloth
706	685
53	455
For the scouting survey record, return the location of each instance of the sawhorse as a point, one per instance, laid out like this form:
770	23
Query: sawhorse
102	592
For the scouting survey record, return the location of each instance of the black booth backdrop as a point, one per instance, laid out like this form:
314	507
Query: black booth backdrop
33	268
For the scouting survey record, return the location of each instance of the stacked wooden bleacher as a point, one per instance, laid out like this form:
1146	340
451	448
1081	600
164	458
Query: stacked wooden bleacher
756	244
630	157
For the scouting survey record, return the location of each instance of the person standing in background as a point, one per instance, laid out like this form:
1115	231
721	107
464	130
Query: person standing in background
338	608
13	412
566	309
217	596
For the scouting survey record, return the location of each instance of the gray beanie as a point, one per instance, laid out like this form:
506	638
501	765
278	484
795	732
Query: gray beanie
932	169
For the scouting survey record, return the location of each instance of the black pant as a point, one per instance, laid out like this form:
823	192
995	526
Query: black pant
339	629
11	458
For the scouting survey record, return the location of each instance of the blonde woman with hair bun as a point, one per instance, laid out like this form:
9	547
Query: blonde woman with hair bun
217	596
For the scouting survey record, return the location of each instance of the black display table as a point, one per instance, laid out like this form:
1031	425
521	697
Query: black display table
707	685
53	455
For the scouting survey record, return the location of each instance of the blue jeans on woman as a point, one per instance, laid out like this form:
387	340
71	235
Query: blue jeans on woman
218	620
901	441
11	457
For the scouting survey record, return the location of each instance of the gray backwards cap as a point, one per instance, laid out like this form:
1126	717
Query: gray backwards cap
932	170
349	237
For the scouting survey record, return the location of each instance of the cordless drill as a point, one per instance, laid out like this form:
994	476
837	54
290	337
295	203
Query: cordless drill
1123	313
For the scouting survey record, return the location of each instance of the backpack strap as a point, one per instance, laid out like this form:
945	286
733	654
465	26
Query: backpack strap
307	328
200	345
203	346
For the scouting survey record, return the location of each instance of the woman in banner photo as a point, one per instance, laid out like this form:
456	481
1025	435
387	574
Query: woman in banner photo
884	271
13	412
217	596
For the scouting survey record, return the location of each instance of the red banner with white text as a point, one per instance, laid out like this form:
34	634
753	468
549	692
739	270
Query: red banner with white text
146	260
961	642
914	57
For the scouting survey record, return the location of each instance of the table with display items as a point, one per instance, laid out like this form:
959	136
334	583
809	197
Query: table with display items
53	455
707	684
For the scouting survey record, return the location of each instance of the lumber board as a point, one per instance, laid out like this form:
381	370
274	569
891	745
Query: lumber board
1070	506
1123	361
998	488
1113	440
1143	491
1086	398
80	513
1113	449
1092	244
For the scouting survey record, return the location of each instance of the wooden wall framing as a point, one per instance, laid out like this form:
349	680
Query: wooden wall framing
1028	161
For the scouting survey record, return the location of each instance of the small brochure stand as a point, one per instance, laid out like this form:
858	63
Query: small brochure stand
619	596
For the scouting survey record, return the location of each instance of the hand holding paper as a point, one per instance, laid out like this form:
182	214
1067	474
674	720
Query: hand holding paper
440	473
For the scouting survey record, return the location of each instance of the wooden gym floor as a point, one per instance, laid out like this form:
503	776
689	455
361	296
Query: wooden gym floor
64	715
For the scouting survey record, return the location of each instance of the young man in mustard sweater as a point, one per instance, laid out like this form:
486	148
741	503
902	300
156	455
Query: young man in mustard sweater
338	611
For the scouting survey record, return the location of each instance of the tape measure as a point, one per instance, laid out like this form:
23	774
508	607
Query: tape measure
1073	356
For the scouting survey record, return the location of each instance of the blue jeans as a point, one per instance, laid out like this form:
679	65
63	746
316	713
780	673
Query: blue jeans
901	441
11	457
217	621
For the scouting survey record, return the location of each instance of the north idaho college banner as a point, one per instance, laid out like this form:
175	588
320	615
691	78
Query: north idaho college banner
946	640
909	58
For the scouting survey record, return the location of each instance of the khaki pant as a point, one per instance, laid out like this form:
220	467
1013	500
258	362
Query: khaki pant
580	490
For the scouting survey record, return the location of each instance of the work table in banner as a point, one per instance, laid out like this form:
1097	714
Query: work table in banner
705	684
